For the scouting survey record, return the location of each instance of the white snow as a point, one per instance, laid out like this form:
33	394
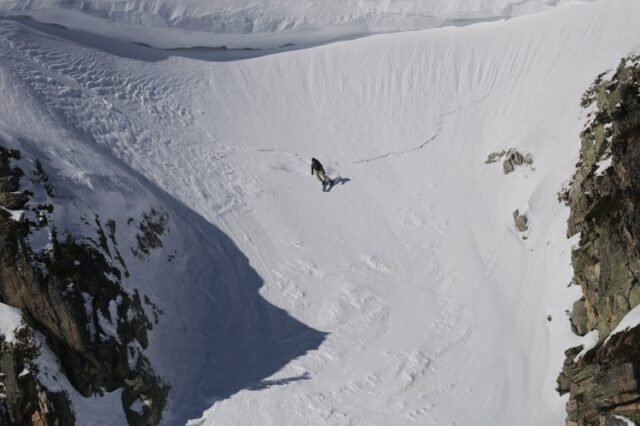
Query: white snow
10	320
402	296
109	326
589	340
626	420
630	320
137	406
88	308
603	165
17	215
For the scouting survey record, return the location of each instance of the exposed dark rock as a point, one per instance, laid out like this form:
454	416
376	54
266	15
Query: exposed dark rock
42	177
152	227
23	399
512	159
520	221
579	317
494	157
604	198
9	184
73	295
604	382
142	387
13	200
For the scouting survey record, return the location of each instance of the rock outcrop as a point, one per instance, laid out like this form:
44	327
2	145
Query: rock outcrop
521	221
604	197
23	399
72	294
511	159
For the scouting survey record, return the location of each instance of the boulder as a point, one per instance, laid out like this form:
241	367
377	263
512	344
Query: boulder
520	221
513	159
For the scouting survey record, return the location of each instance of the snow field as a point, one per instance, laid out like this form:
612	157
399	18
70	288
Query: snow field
437	309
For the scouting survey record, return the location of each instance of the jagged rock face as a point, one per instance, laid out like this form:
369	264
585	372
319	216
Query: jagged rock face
604	198
73	295
605	204
604	383
23	399
513	159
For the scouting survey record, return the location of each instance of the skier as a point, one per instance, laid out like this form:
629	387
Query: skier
318	170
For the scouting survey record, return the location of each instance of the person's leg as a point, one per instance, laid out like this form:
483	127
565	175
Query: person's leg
324	178
318	175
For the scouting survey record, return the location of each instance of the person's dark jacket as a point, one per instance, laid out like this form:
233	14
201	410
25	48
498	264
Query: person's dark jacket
315	165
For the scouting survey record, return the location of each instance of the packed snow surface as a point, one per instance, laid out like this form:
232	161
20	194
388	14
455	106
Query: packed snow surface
405	295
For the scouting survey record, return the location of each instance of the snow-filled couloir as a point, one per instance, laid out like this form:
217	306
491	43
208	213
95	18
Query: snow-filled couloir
405	295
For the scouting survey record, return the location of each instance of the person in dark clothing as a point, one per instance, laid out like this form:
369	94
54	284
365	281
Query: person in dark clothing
318	170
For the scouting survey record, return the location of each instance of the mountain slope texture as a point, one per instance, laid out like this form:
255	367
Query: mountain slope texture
166	257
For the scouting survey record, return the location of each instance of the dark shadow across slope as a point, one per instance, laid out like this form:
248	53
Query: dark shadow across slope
217	334
143	52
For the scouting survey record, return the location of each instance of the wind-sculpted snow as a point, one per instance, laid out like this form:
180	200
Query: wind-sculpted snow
214	334
265	24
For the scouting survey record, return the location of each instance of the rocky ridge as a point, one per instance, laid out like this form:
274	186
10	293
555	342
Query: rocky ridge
71	292
24	400
604	197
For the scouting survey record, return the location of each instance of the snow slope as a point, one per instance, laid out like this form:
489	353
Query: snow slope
403	296
72	109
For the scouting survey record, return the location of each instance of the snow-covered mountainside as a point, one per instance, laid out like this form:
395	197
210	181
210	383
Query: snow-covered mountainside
405	295
263	24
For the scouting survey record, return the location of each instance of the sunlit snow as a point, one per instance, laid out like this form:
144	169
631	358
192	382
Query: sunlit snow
405	295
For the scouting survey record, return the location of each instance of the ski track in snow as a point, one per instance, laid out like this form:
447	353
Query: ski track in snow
434	306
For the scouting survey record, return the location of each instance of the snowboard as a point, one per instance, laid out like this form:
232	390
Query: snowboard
326	186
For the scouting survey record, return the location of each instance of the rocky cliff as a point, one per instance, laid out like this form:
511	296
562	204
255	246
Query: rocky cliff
604	197
71	293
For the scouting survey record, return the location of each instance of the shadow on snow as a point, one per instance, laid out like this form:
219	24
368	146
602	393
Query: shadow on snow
241	339
265	384
143	52
217	335
340	181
